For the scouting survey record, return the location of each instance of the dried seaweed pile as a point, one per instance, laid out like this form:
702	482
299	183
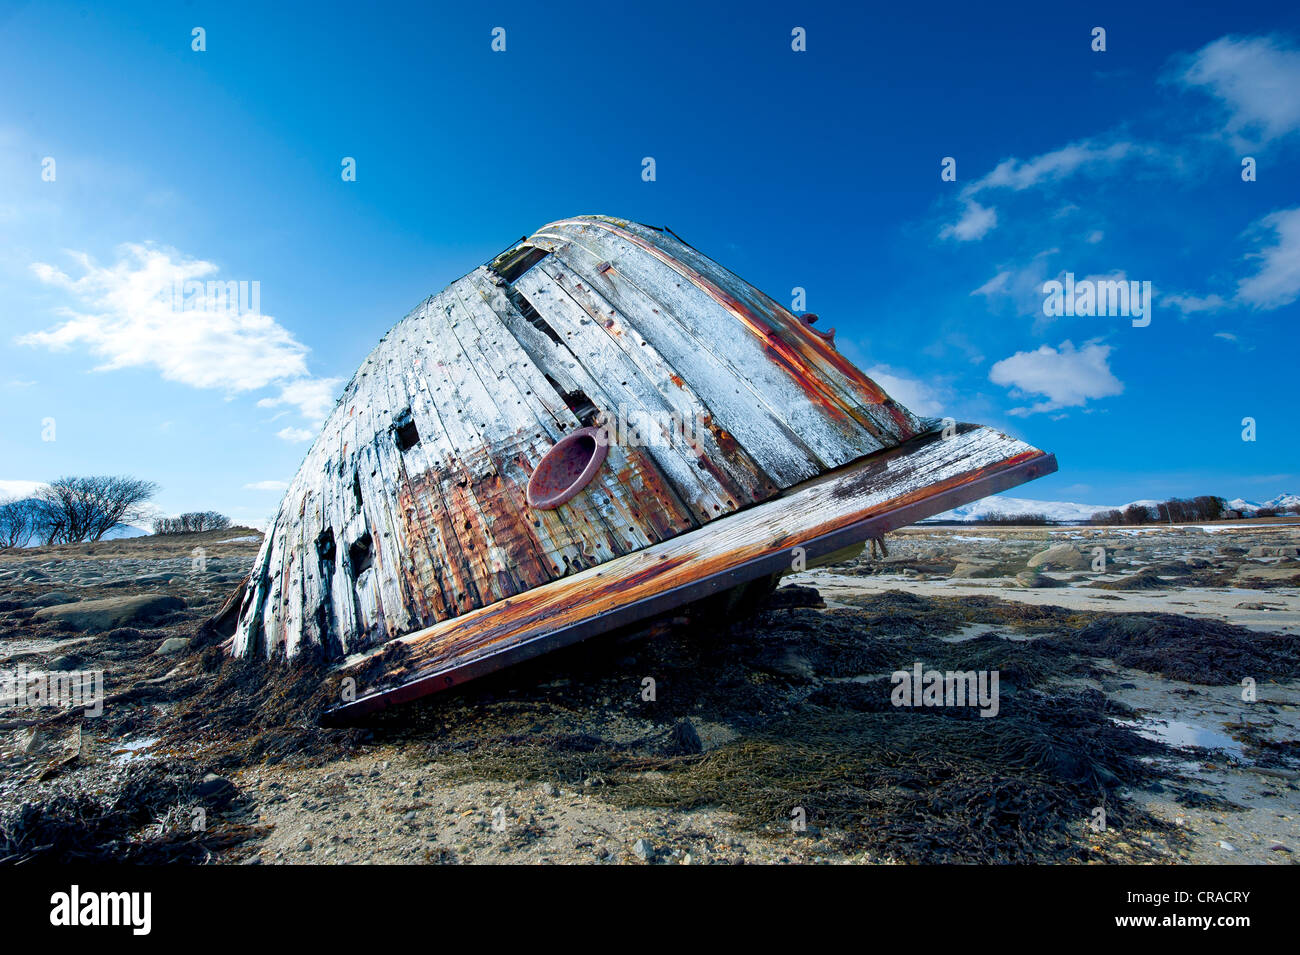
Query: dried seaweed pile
806	696
247	713
143	812
1186	648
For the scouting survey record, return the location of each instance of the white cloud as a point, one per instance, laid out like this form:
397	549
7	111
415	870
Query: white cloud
19	489
1257	81
295	434
915	395
314	397
1067	377
1277	282
125	314
975	223
266	486
1018	175
1192	304
1020	286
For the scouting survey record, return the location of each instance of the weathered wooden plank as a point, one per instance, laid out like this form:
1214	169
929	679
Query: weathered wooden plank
720	475
419	475
925	475
806	354
762	430
832	385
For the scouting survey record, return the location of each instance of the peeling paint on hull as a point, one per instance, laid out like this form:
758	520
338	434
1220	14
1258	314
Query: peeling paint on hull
409	518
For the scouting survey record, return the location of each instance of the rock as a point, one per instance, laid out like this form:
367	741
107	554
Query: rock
171	645
548	789
969	569
111	612
69	661
1031	578
215	790
1228	846
1264	550
1059	557
683	740
643	850
32	573
52	599
793	595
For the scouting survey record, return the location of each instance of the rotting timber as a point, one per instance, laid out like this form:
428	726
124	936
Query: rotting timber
597	427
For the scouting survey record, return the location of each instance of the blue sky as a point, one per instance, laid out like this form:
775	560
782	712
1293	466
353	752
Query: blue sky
818	169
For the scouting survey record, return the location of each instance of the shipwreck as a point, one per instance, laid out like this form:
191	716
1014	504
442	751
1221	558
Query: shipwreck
594	429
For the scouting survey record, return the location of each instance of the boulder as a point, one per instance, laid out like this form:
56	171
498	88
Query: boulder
171	645
1060	557
1032	578
97	616
54	598
1268	551
971	569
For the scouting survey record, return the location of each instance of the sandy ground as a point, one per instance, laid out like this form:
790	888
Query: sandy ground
564	761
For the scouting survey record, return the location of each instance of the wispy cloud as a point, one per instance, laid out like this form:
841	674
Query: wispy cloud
1275	282
1067	377
976	222
125	314
314	397
266	486
1087	156
915	395
1256	81
295	434
1193	304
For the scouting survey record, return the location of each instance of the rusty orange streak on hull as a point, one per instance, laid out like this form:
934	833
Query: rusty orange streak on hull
605	588
782	353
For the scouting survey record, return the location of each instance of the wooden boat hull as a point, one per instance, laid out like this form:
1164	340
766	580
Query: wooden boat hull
599	425
860	501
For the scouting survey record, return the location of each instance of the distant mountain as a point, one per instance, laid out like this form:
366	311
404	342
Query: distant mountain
120	531
1277	503
1065	511
1052	510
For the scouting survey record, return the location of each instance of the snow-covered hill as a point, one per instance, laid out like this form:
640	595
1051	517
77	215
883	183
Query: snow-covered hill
1277	503
998	504
1064	511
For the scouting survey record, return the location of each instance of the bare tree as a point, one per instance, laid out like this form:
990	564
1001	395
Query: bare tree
191	523
86	508
17	522
1136	514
